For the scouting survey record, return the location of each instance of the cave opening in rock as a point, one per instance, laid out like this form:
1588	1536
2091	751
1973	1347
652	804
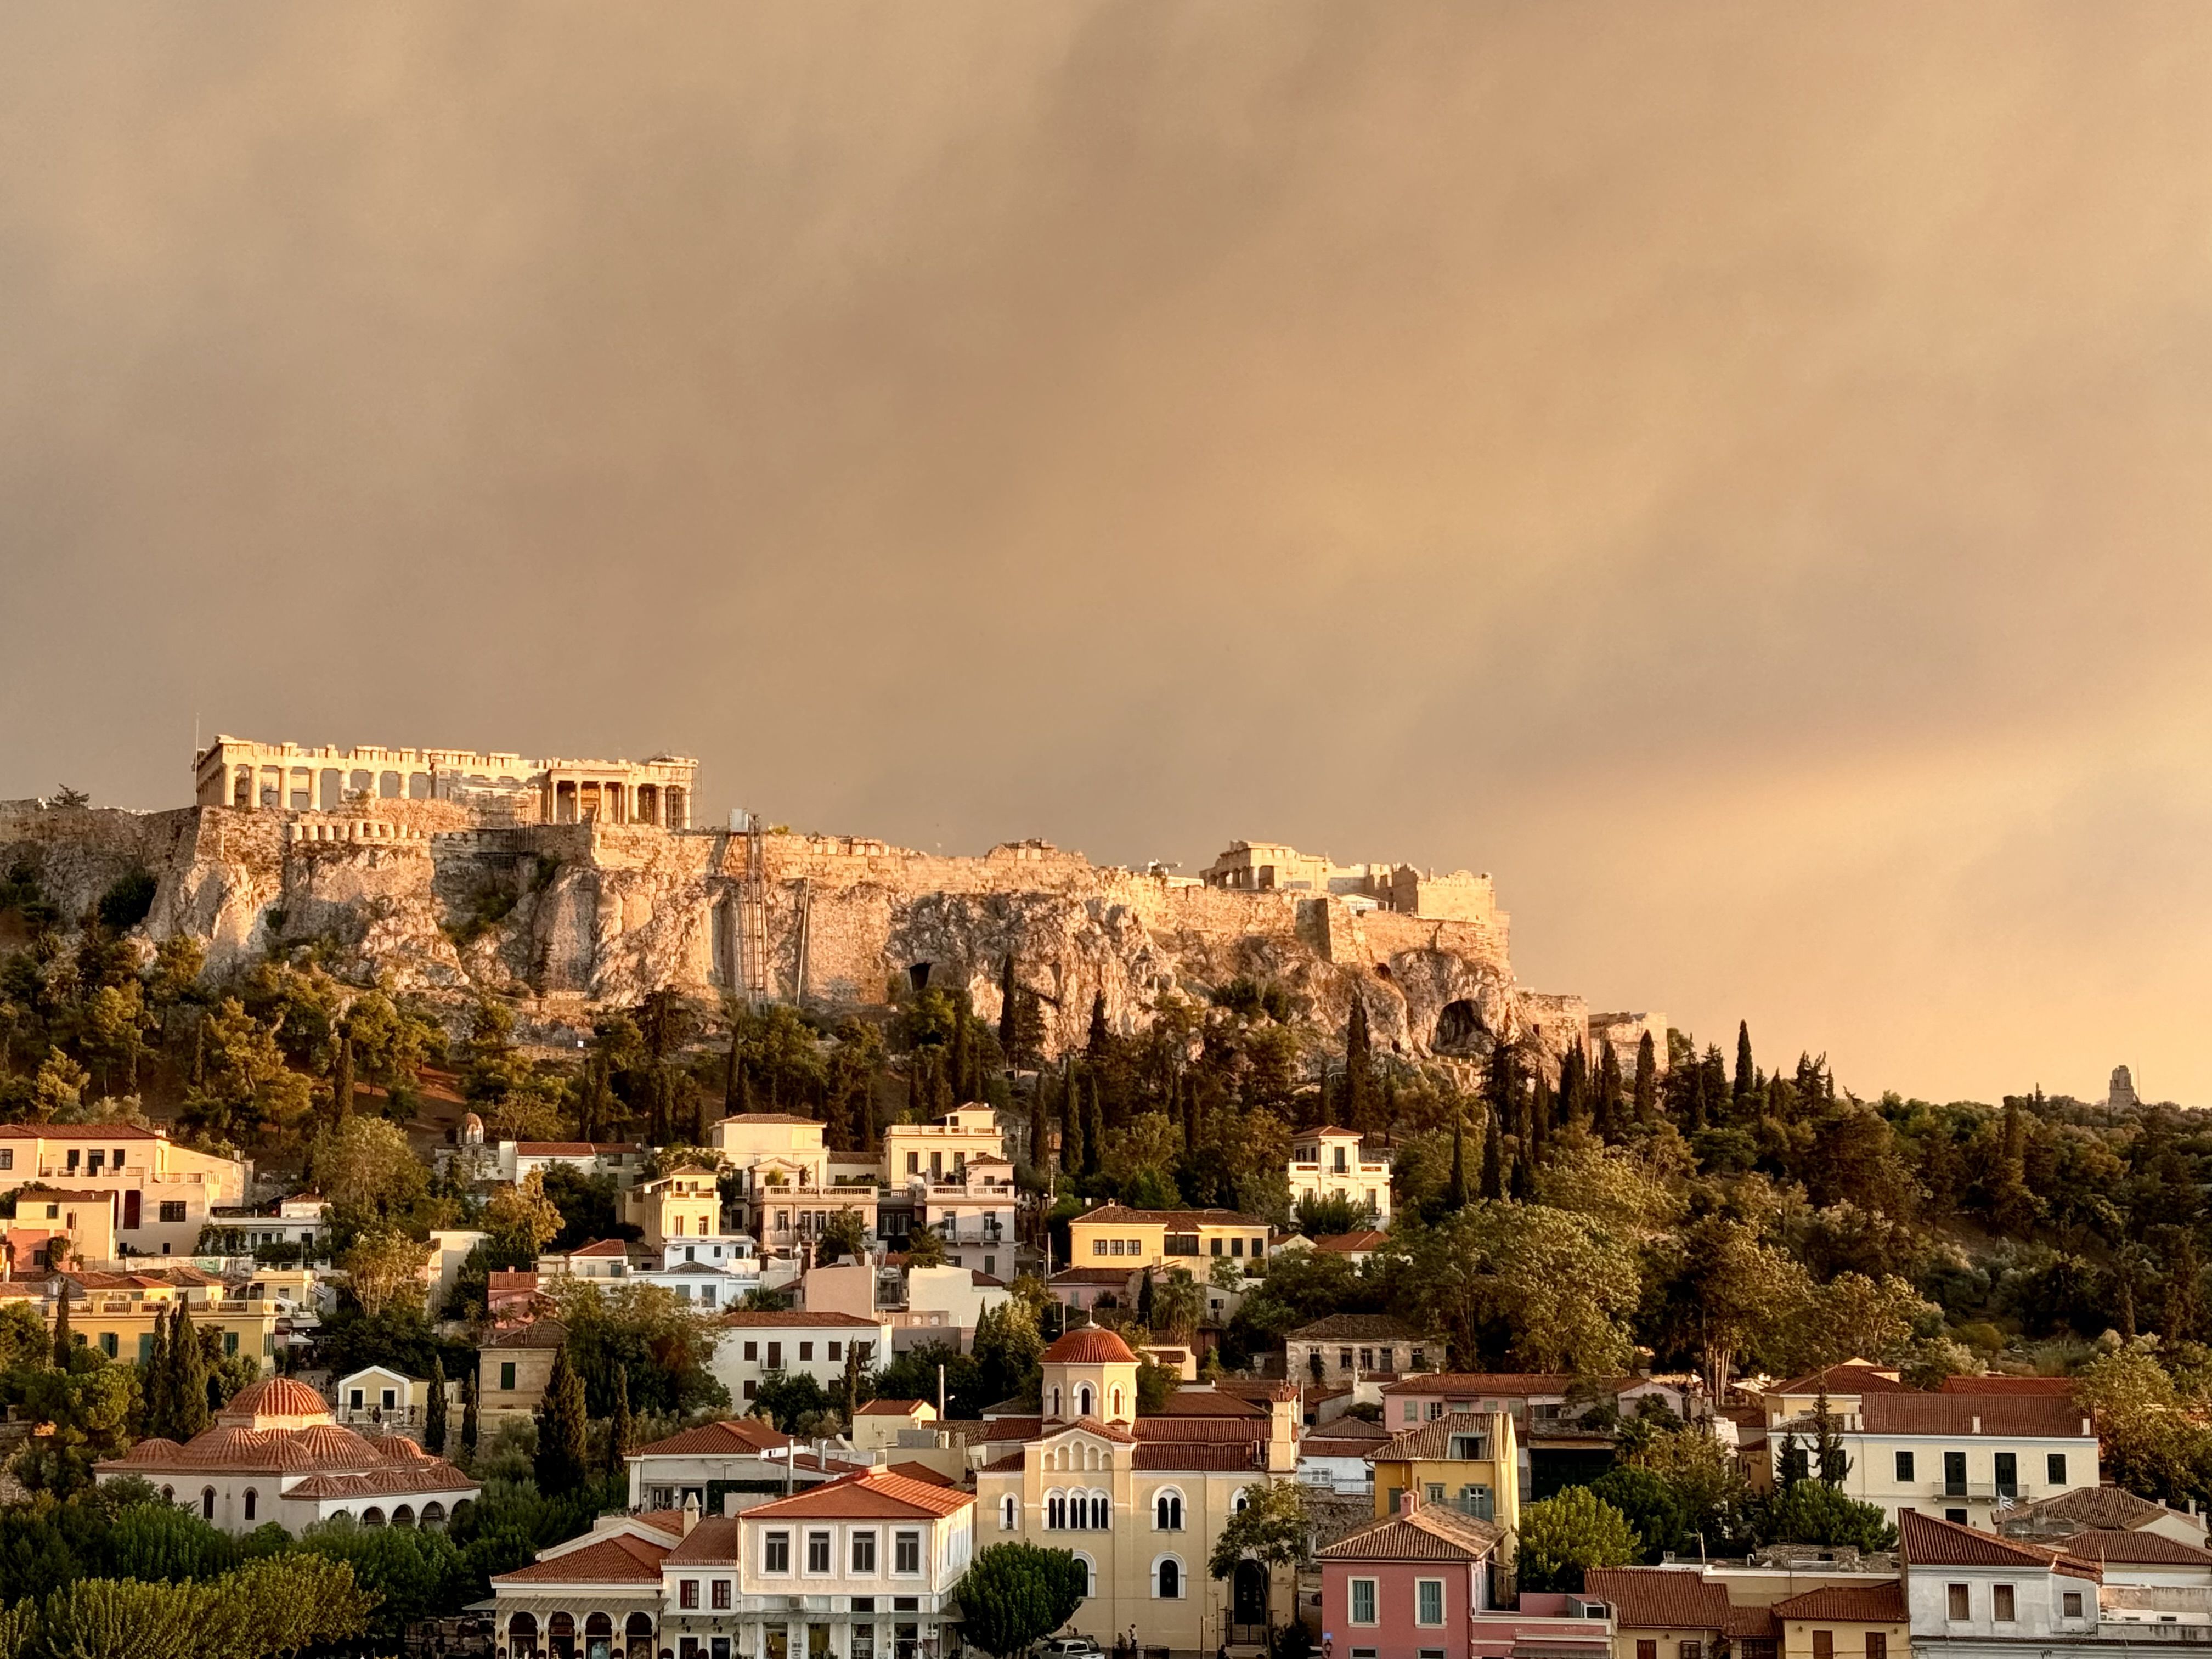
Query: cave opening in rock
1459	1027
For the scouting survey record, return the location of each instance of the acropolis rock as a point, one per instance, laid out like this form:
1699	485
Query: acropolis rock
440	892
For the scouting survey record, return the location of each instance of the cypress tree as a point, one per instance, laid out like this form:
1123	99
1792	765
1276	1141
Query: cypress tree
1745	1074
1607	1114
469	1414
619	1425
1094	1131
1647	1081
1358	1073
1717	1083
342	1080
562	1426
1574	1089
1071	1122
1040	1128
1008	1020
733	1068
1147	1301
963	1084
155	1384
940	1086
61	1342
1099	1043
434	1423
1455	1188
1494	1157
188	1364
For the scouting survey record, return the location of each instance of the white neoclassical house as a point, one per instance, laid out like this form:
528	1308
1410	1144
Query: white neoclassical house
274	1454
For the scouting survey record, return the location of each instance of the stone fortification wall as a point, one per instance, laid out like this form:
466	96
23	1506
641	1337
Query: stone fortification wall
568	916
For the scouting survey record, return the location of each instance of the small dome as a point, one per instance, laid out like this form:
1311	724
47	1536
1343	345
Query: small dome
283	1398
398	1449
471	1130
1089	1345
156	1450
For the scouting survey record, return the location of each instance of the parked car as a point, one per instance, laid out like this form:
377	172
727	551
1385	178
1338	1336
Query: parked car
1070	1647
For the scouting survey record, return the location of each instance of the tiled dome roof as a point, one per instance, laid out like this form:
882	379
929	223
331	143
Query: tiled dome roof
1089	1345
398	1449
156	1450
281	1397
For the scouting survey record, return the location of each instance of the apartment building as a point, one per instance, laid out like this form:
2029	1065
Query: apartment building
1346	1347
145	1196
1328	1163
1464	1461
1111	1236
684	1203
1413	1581
753	1347
1963	1458
864	1568
789	1185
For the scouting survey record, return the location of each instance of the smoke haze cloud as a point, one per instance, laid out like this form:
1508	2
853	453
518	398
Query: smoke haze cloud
1737	473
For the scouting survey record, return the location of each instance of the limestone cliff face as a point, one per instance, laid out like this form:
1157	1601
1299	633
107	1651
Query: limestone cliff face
567	917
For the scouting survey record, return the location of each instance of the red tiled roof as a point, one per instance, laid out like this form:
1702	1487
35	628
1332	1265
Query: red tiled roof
1010	1464
1207	1402
891	1407
1495	1384
749	1321
1433	1439
1351	1244
621	1559
1155	1455
604	1246
921	1472
1010	1428
503	1281
1114	1215
767	1117
1092	1425
2030	1416
867	1497
713	1540
1089	1345
1926	1541
2106	1507
2058	1387
2142	1549
1426	1534
1865	1604
1659	1598
79	1131
1853	1376
741	1438
1356	1328
1100	1276
1189	1431
539	1333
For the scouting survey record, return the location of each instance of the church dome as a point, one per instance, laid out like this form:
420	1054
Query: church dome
1089	1345
274	1403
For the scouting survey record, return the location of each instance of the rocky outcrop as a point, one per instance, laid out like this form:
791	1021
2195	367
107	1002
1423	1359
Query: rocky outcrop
567	917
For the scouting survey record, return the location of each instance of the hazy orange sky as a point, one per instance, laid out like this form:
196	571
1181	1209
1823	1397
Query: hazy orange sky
1738	473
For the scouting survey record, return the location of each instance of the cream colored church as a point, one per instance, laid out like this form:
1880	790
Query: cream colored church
1140	1501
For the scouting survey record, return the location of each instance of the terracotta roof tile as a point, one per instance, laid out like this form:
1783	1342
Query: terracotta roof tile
618	1560
2061	1388
1426	1534
744	1437
539	1333
1659	1598
1207	1402
2024	1416
867	1497
1186	1431
921	1472
1210	1455
1351	1244
1851	1377
2142	1549
1865	1604
1114	1215
2107	1507
574	1148
1926	1541
1356	1328
1502	1385
1433	1439
750	1321
1089	1345
891	1407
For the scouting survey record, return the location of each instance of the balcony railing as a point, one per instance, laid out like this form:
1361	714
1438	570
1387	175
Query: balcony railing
1983	1491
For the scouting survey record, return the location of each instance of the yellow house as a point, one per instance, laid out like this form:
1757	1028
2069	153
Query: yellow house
115	1313
88	1219
938	1150
1465	1460
163	1193
1110	1236
685	1203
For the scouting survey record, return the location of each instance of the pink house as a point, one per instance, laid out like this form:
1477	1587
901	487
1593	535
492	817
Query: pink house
1408	1586
1416	1585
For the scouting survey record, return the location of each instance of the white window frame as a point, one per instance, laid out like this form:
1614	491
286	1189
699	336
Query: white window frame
827	1538
1374	1588
769	1539
1181	1513
1182	1577
1421	1587
899	1540
864	1538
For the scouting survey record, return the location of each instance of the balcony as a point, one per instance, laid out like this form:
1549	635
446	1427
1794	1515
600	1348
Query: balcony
1984	1492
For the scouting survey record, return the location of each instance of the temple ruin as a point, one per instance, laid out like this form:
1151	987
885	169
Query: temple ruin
495	789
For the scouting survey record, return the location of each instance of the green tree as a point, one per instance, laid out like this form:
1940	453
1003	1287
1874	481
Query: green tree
1358	1068
189	1411
65	1342
1274	1528
1013	1594
90	1414
433	1421
1541	1288
562	1426
342	1080
619	1428
1746	1074
1651	1505
1647	1082
1563	1536
1006	1348
469	1414
1814	1512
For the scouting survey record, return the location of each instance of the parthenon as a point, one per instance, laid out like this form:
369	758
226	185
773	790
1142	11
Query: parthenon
496	788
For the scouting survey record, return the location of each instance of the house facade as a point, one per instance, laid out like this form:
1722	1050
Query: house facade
1408	1585
151	1196
1962	1458
750	1347
859	1568
1466	1462
1113	1236
1346	1347
1329	1163
595	1596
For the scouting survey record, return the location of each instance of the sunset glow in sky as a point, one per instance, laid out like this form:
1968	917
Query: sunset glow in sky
1741	474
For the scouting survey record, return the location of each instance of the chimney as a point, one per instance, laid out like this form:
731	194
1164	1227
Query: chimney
690	1512
1408	1501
